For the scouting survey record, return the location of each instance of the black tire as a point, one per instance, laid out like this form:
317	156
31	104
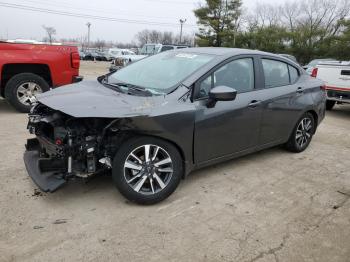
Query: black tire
293	143
119	171
330	104
15	82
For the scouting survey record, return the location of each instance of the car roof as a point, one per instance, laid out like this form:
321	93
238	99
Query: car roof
223	51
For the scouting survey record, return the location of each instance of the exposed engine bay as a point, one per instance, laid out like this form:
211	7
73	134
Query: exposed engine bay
72	147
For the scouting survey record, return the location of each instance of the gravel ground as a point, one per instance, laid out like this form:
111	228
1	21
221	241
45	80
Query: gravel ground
268	206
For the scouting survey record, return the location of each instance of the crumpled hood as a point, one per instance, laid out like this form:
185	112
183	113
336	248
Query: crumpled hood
92	99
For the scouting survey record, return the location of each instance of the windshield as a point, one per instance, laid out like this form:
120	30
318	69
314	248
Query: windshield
160	72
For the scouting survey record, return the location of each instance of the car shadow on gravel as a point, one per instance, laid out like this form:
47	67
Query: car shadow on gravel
6	107
340	110
102	186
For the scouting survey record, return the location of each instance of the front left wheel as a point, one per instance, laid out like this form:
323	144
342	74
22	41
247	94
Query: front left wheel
147	170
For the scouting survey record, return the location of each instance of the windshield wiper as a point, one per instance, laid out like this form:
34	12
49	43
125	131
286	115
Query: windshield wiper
105	82
135	89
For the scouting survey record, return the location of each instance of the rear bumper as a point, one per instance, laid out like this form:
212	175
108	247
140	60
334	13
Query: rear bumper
77	79
47	174
338	95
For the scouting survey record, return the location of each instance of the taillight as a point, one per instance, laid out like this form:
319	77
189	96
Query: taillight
58	142
75	60
314	72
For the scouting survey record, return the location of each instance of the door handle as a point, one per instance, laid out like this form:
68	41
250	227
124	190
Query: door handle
300	90
254	103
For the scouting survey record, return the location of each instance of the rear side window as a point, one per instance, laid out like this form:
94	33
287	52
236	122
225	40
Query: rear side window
276	73
294	74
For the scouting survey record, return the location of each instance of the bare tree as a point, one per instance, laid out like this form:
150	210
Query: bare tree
290	13
265	15
143	37
159	37
50	31
167	38
99	44
155	36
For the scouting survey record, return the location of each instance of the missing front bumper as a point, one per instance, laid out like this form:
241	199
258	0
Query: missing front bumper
47	174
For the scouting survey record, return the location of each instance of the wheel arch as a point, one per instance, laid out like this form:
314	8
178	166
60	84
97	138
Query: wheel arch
186	163
315	116
10	70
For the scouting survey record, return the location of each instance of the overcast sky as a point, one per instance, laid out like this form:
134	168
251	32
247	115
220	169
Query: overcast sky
145	14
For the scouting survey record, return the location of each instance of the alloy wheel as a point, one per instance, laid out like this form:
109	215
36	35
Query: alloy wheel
148	169
26	93
304	132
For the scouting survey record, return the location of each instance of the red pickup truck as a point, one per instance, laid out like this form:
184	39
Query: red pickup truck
30	69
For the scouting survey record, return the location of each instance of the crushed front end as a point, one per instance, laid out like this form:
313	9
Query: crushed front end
66	147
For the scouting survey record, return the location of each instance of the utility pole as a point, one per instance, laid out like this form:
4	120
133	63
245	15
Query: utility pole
182	21
88	25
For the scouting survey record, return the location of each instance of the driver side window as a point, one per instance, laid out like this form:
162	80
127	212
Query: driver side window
238	74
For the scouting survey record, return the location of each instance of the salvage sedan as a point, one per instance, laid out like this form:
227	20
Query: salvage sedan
156	120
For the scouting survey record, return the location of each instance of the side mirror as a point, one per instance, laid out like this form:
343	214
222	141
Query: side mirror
221	93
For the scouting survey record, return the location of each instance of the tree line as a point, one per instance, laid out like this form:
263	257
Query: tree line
306	29
143	37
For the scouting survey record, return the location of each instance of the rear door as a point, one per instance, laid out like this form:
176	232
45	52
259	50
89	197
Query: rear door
283	100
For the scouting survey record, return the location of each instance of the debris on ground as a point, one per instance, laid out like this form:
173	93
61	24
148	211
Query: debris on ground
60	221
37	192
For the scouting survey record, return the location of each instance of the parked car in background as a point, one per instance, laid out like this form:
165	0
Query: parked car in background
336	75
154	121
147	50
117	52
82	55
291	57
124	60
152	49
103	56
91	55
27	70
310	66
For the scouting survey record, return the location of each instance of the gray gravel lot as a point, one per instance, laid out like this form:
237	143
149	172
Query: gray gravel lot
269	206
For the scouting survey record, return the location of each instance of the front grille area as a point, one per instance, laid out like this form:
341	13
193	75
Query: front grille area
50	148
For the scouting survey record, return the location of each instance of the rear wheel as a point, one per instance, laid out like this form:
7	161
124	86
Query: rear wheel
330	104
147	170
21	90
302	134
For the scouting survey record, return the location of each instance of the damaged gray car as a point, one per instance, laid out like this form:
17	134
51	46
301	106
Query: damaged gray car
154	121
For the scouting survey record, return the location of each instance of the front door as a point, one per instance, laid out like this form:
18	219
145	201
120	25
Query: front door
230	126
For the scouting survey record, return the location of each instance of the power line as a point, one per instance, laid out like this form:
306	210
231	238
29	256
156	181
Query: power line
171	2
66	5
95	17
